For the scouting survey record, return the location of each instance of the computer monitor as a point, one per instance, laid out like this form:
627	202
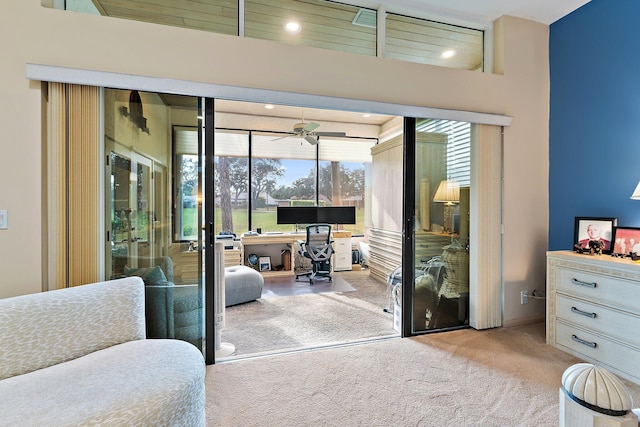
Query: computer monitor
337	215
314	214
296	215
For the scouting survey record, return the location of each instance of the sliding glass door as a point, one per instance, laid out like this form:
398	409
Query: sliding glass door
153	207
436	227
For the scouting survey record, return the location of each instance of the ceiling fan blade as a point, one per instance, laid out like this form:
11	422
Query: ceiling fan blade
311	126
311	139
334	134
282	137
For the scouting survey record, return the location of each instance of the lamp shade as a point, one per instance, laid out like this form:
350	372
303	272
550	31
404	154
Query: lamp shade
636	193
448	192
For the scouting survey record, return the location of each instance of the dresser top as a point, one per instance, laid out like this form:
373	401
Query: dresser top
604	261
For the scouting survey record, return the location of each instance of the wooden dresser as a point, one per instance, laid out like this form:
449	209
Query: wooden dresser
593	310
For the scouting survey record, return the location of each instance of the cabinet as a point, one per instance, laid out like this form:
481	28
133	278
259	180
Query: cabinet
341	251
593	310
272	245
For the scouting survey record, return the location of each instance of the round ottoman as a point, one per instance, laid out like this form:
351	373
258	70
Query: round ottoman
241	284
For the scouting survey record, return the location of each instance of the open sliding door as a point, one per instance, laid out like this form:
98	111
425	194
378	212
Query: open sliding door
153	207
437	188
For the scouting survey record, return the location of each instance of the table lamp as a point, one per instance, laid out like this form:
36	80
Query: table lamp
636	193
448	192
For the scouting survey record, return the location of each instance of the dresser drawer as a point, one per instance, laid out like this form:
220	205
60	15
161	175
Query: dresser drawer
601	319
595	347
601	288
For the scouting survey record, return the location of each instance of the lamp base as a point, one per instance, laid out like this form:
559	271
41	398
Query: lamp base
449	210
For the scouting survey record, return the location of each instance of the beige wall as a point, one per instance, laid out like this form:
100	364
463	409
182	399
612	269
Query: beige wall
32	34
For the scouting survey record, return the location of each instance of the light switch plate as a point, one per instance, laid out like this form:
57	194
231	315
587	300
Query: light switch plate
4	220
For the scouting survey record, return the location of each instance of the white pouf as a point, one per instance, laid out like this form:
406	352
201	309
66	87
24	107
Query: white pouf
592	396
242	284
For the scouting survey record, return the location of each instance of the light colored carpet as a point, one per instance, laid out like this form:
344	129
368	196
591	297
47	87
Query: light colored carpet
293	322
498	377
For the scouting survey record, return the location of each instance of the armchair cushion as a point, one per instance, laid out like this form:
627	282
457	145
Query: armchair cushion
159	310
150	275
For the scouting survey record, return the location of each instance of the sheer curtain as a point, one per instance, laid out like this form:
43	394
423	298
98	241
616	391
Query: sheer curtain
73	186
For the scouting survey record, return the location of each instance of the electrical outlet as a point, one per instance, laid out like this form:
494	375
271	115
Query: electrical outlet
4	220
524	297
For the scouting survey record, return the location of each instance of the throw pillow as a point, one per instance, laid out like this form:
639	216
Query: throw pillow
150	275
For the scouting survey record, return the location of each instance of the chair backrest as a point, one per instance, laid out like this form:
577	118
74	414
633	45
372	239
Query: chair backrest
318	234
318	244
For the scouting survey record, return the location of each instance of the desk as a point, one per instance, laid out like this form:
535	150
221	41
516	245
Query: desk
271	245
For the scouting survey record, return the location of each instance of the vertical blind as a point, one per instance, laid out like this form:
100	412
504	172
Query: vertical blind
73	185
458	155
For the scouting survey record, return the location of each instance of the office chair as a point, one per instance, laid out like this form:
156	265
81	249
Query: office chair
318	249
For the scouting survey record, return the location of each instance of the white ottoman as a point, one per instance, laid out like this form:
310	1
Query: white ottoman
242	284
591	396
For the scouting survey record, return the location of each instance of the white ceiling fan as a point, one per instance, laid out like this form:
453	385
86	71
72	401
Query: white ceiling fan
308	133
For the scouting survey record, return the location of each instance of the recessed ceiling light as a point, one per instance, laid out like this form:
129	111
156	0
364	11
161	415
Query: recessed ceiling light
292	27
448	54
366	116
269	107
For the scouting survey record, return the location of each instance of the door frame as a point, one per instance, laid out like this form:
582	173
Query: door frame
408	220
206	135
490	162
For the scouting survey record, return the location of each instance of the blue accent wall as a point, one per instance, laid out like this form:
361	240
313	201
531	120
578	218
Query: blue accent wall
594	124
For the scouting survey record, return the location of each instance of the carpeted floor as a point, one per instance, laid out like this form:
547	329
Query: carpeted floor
348	310
497	377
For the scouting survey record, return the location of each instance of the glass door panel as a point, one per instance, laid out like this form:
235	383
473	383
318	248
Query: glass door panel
441	225
141	240
120	211
145	226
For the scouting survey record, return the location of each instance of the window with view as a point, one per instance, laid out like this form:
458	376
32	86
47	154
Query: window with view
286	172
342	165
186	190
231	170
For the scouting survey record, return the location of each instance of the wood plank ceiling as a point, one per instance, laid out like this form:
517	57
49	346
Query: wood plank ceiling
325	24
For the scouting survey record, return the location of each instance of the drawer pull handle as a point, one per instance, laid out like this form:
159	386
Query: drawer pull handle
588	285
584	313
585	342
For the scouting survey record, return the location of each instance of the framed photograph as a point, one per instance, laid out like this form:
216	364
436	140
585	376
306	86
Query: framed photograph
594	231
264	263
626	240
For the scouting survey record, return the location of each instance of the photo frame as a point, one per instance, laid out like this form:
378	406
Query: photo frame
594	229
625	239
264	263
